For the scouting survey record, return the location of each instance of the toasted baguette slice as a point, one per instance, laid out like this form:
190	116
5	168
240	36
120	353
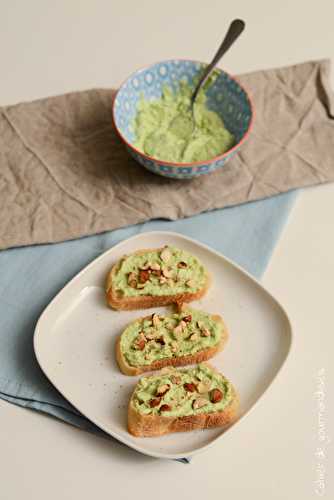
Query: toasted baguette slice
182	338
182	400
156	277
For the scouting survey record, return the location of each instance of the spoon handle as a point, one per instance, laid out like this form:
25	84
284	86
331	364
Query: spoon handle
236	28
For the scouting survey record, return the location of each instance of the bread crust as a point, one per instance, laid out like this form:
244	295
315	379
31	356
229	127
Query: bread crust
140	425
147	301
190	359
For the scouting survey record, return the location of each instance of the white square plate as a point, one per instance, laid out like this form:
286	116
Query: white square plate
75	337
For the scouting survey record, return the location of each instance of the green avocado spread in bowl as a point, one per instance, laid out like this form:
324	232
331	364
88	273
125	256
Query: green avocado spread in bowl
164	127
152	116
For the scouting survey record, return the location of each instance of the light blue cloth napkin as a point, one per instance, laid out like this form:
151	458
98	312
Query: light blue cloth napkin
31	276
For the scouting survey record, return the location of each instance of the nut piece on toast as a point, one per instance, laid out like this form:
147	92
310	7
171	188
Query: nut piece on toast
158	277
177	339
162	403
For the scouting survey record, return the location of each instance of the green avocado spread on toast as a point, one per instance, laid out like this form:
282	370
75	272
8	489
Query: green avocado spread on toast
167	271
180	334
183	392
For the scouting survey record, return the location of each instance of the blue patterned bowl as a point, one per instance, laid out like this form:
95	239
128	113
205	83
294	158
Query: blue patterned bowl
225	96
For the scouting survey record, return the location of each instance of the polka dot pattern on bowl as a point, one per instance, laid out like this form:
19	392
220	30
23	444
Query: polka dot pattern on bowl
224	96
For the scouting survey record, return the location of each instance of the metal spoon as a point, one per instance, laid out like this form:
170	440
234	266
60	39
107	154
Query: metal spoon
236	28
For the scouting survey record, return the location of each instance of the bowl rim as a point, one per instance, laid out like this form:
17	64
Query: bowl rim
184	164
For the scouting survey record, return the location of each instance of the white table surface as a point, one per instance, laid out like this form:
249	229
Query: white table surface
52	47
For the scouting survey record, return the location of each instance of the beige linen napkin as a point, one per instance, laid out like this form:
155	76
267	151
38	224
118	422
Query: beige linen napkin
64	173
